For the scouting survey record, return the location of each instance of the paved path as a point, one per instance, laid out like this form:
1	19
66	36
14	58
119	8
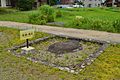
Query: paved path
79	33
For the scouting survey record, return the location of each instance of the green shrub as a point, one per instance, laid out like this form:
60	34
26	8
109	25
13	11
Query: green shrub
6	10
48	11
2	10
85	23
52	2
37	19
58	13
25	5
81	22
45	14
102	25
97	24
116	25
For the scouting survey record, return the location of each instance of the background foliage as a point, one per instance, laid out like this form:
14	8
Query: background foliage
25	5
44	15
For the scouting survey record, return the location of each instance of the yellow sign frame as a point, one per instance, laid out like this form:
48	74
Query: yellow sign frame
26	34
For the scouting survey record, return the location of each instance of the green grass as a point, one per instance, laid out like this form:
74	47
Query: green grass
105	67
18	16
107	15
92	13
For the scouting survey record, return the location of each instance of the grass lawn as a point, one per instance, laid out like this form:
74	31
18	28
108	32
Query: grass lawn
107	15
106	67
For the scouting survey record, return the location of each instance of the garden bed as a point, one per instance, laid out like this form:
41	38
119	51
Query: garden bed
71	61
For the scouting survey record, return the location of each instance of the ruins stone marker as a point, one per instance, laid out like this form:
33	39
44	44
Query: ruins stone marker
65	47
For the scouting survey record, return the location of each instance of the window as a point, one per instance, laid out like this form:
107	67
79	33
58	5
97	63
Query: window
95	5
8	3
89	5
98	5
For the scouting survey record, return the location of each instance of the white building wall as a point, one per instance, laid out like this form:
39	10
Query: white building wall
91	3
3	3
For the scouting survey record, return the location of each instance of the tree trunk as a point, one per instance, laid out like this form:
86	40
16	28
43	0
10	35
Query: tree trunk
14	3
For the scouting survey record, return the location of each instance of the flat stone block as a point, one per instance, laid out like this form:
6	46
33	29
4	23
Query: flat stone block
28	50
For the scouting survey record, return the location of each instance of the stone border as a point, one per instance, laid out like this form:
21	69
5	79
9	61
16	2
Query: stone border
31	42
81	65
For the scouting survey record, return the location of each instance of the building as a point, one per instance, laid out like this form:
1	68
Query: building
67	1
110	3
86	3
7	3
91	3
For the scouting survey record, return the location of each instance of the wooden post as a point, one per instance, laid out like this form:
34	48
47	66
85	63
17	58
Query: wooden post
27	43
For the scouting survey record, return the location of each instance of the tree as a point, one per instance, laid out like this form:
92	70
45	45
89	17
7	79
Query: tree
14	3
25	5
52	2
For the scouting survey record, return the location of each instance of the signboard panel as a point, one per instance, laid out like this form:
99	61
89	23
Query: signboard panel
26	34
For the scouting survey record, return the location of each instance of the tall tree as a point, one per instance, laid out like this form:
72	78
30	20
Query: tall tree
51	2
14	3
25	5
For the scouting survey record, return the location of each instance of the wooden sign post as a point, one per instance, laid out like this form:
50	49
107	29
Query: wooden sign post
25	35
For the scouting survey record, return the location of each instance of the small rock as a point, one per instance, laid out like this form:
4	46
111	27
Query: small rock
88	63
9	51
35	61
80	70
101	51
67	69
82	66
92	60
72	71
108	41
61	68
28	58
90	39
76	72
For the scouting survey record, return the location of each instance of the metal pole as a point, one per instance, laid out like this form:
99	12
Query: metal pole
27	43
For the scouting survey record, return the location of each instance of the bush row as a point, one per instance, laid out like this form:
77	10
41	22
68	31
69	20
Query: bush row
85	23
6	10
44	15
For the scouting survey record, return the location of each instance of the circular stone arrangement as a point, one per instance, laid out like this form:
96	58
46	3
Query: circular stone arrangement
65	47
